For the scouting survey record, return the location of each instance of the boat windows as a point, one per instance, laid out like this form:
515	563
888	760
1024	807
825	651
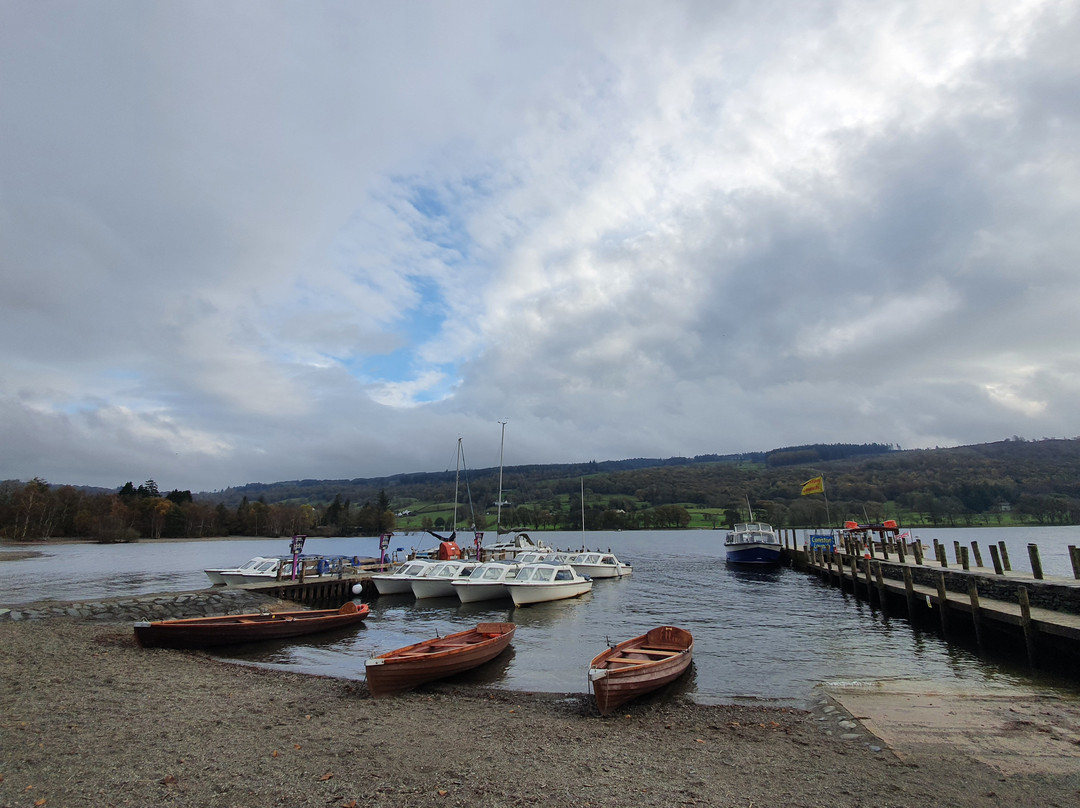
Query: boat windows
564	575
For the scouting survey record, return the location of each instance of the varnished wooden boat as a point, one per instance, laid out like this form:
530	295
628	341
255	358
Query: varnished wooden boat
413	665
639	665
206	632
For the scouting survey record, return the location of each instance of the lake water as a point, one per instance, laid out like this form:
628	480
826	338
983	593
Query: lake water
759	635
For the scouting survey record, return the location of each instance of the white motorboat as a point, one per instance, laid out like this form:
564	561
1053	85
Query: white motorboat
600	565
486	582
216	576
308	568
539	583
399	582
438	581
511	548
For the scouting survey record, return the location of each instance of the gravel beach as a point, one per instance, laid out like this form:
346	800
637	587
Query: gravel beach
90	719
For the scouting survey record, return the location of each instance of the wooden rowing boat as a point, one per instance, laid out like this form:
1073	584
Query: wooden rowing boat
639	666
206	632
413	665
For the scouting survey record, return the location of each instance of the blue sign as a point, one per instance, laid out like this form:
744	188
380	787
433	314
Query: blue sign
819	541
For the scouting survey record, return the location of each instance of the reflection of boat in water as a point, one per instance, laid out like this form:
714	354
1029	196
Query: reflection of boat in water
600	565
752	543
206	632
439	657
639	666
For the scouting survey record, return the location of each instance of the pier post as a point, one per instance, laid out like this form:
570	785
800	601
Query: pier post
882	596
866	577
909	592
854	578
937	548
995	556
956	551
900	551
1025	623
964	560
1036	564
978	555
917	548
1004	556
943	601
1074	557
941	557
976	616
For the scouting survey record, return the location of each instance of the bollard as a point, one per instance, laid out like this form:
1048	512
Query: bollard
978	555
1036	564
964	561
996	558
1074	557
1004	556
942	559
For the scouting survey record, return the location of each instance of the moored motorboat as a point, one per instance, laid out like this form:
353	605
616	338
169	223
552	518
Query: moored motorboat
511	548
438	581
486	582
264	569
207	632
251	565
752	543
639	665
600	565
439	657
399	582
542	582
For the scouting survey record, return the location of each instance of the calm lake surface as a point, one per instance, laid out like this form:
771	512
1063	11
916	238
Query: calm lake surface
759	635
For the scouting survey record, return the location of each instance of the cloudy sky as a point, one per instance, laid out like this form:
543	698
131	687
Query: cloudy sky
265	241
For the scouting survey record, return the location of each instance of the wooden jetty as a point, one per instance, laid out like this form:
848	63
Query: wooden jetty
321	593
997	606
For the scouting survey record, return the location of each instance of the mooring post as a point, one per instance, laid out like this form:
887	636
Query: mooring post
956	551
916	546
964	560
1004	556
941	557
900	551
943	602
881	597
866	577
909	592
885	548
1036	564
976	616
1074	557
854	578
978	555
995	556
1026	624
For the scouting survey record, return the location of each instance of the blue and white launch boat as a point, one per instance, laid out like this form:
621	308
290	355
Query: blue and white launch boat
752	543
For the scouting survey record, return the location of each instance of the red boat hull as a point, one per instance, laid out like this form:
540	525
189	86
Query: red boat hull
207	632
414	665
639	666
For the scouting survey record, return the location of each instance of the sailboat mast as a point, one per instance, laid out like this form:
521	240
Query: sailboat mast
457	473
498	505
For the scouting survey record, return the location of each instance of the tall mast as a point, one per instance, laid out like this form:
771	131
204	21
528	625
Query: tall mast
457	472
498	505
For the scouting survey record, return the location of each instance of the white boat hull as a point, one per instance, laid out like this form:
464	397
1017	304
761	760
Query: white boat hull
392	586
474	592
525	593
603	570
425	587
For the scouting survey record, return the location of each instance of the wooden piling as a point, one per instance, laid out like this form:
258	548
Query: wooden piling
882	596
943	601
1004	556
854	578
978	555
1025	623
900	551
1036	564
956	551
866	578
976	616
917	548
943	560
909	592
964	560
1074	557
995	556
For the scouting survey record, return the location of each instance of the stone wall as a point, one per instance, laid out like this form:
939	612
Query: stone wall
203	603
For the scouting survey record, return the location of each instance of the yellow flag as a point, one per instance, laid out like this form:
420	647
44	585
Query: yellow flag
813	486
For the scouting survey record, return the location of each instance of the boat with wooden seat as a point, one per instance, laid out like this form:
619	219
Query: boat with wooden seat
640	665
232	629
437	658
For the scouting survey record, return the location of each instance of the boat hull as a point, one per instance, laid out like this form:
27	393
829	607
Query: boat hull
473	593
424	587
639	666
747	553
405	668
528	593
603	570
208	632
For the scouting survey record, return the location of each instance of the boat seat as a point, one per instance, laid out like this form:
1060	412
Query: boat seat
629	660
658	651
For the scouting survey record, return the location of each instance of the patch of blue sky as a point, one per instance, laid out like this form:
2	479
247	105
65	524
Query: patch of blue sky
443	213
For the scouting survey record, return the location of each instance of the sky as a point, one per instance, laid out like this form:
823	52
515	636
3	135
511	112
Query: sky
250	242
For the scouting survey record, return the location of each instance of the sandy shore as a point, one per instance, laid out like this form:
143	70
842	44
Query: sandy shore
89	718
